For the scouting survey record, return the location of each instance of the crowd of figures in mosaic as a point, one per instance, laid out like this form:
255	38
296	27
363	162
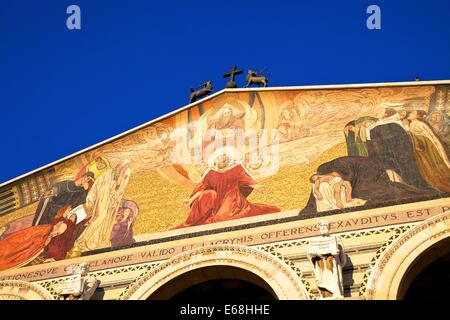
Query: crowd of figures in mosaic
237	155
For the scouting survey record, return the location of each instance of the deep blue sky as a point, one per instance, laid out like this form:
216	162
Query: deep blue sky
62	91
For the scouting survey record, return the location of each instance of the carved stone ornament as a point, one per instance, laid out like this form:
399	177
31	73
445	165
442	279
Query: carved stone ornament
79	286
326	254
22	290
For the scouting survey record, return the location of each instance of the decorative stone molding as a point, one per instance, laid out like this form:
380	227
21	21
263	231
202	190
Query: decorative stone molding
387	273
280	277
22	290
105	276
297	271
398	231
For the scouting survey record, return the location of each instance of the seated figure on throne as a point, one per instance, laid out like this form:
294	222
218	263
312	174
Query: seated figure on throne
229	124
226	122
227	118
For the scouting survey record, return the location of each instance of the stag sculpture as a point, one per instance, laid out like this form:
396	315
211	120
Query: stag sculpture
254	77
206	88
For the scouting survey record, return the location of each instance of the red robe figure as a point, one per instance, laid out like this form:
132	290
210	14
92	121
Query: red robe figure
222	195
23	246
60	245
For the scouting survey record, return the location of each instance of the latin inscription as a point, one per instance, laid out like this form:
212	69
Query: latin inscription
251	239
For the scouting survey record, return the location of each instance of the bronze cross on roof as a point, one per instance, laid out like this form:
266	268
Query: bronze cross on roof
234	71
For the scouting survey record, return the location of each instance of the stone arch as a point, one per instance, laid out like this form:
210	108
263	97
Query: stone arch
276	273
385	280
22	290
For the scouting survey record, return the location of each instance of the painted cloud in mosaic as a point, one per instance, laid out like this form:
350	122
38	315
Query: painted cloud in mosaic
237	155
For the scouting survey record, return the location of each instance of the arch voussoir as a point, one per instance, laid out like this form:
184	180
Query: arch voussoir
276	273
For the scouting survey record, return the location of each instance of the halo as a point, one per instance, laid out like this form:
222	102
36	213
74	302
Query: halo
233	154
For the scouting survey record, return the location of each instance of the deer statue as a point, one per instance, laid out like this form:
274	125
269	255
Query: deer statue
206	88
253	77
